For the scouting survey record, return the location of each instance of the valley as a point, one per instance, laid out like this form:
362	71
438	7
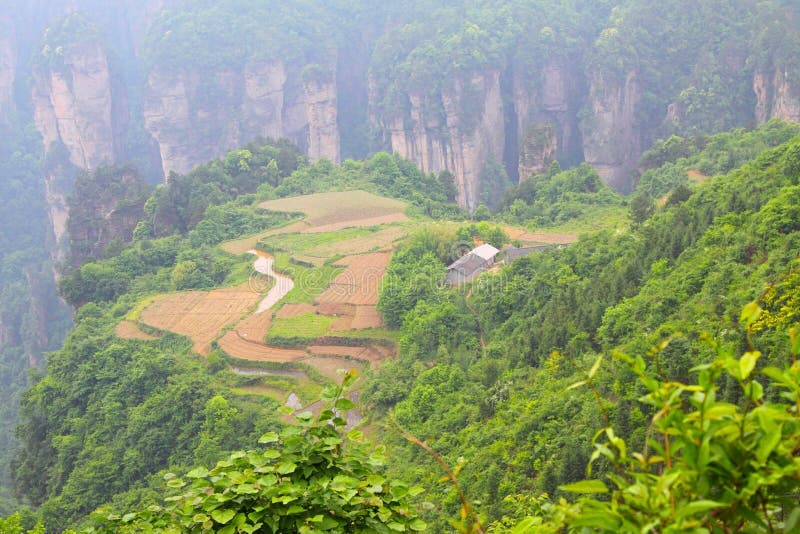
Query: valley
474	266
312	311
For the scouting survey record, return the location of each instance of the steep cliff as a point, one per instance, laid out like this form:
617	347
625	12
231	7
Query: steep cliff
459	130
321	113
76	109
8	59
194	118
612	141
546	103
521	118
777	95
73	103
104	208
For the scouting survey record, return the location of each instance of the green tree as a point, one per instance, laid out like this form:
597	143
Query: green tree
708	465
309	477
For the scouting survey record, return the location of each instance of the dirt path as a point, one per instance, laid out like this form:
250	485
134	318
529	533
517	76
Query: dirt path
283	284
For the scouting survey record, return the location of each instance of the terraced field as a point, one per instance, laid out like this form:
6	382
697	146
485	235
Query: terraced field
200	315
346	241
130	330
359	283
327	212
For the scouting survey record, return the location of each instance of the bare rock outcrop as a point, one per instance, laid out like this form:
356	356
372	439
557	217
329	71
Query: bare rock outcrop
777	96
73	105
194	118
460	133
76	109
8	59
537	150
322	115
546	104
611	138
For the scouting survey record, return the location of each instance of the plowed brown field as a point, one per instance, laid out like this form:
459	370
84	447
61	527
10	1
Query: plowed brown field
358	284
539	237
366	317
348	208
130	330
243	349
330	365
200	315
254	328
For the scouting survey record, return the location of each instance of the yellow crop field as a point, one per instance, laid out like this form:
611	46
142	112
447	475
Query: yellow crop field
200	315
328	211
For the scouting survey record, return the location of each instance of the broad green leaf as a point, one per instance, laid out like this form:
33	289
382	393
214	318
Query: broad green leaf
245	489
754	390
344	404
329	523
747	363
602	520
287	467
525	526
329	393
223	516
793	521
269	437
697	507
198	472
585	486
416	490
356	436
417	525
767	444
750	314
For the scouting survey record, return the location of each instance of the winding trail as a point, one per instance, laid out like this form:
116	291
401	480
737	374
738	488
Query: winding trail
283	284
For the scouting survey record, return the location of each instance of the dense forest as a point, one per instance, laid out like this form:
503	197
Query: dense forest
482	374
648	152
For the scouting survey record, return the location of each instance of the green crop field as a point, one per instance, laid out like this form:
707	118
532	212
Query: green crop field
305	242
307	325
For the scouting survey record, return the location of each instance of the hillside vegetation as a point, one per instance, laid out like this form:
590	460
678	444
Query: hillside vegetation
483	370
227	201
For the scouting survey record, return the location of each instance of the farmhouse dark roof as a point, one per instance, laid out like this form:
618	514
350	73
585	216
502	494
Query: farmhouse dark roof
468	264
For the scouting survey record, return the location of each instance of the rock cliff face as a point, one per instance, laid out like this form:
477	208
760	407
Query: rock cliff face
524	119
460	131
8	58
57	211
322	113
611	138
73	104
194	120
776	96
537	150
76	107
546	104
